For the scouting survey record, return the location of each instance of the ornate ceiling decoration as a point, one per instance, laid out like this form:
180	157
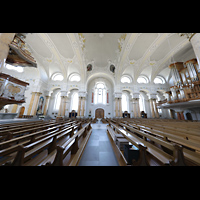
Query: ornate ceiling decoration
132	53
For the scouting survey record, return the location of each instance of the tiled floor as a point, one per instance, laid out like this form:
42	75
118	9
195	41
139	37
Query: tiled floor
98	151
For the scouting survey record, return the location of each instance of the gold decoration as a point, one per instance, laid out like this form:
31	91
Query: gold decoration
13	89
121	41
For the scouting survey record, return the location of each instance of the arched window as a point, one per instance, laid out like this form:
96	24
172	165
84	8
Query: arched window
100	93
57	101
74	77
57	77
142	79
124	102
159	80
74	101
126	79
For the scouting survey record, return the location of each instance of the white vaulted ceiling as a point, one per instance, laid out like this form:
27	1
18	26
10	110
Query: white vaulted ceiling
130	53
101	47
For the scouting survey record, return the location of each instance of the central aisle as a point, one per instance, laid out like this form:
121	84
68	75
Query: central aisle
98	151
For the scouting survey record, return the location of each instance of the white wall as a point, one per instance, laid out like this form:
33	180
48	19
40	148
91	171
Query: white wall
107	108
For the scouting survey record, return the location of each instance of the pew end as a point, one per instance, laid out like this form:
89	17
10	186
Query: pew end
179	157
142	160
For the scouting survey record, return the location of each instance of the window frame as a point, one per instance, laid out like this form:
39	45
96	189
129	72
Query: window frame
161	78
56	74
74	74
126	76
103	93
144	77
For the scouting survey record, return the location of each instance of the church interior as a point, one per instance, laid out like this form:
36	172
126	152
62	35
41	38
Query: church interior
99	99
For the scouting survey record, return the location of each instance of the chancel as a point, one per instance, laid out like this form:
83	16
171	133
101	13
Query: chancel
99	99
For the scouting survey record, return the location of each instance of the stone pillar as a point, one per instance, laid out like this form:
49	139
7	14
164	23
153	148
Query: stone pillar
79	106
64	105
182	115
5	40
14	108
83	106
178	115
46	105
120	107
31	103
116	107
134	108
170	113
152	109
156	109
37	94
138	108
61	108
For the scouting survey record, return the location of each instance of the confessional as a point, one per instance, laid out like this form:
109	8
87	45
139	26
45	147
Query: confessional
126	114
72	114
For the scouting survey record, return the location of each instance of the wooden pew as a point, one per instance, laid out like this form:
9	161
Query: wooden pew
26	152
31	154
32	132
12	133
56	158
158	153
12	144
191	155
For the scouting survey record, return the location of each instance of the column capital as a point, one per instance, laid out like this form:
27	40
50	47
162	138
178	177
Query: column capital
117	95
152	96
82	93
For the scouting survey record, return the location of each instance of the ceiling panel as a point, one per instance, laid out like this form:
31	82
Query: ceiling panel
101	47
63	44
166	47
141	45
38	45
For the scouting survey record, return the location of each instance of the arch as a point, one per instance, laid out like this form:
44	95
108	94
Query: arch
142	79
102	75
189	116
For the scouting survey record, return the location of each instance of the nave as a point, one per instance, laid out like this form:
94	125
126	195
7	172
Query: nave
98	151
110	142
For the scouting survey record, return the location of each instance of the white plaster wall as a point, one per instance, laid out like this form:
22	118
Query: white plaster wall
108	108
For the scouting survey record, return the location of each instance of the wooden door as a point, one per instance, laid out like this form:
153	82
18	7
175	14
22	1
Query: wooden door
99	113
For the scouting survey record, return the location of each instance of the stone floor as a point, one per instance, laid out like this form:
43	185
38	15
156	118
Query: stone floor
98	151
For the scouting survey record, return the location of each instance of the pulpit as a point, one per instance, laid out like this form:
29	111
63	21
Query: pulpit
11	90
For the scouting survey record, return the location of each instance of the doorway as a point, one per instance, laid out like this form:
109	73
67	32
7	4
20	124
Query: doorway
99	113
189	116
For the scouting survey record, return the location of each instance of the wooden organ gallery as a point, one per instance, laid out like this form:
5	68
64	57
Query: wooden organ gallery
99	99
186	81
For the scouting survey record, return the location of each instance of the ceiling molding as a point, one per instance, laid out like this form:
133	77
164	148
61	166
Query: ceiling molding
54	51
